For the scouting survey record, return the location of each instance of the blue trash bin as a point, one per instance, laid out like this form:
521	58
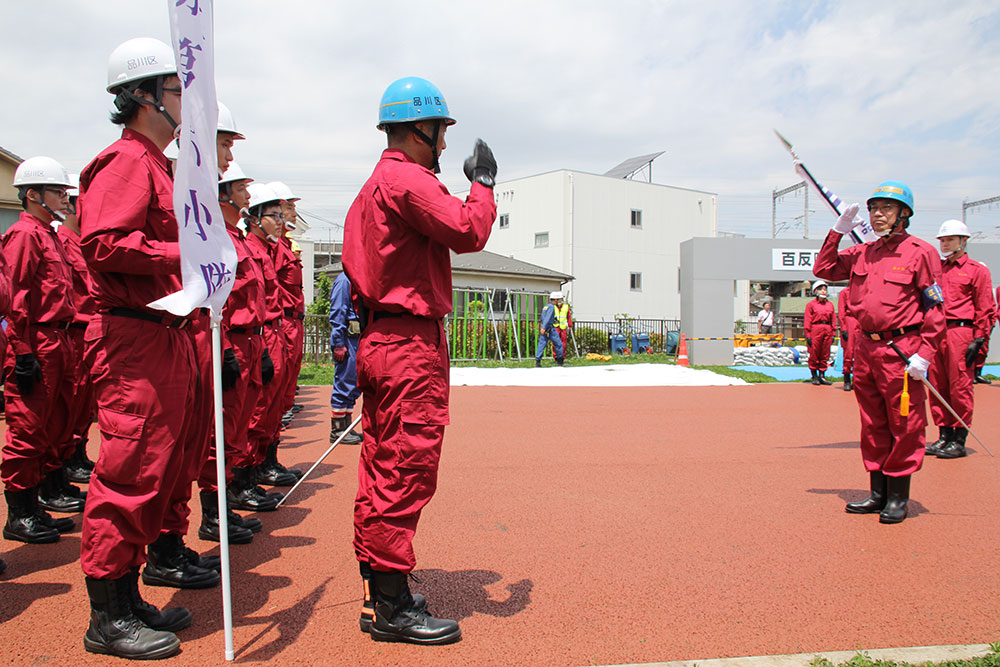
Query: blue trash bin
673	339
640	342
619	343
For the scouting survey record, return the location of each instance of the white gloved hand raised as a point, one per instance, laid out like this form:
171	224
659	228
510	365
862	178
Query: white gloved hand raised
848	220
917	368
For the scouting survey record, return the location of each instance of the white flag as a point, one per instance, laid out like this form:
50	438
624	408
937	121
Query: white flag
208	258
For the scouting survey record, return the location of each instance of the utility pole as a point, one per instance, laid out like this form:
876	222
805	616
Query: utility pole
976	204
778	194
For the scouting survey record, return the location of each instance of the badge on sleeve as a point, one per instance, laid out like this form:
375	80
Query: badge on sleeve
933	296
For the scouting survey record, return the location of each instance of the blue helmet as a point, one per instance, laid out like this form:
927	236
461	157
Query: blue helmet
411	99
895	190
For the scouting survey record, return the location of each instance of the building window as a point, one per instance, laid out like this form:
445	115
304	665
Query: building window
542	240
635	282
504	220
636	219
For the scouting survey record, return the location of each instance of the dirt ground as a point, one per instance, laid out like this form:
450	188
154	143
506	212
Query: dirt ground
585	526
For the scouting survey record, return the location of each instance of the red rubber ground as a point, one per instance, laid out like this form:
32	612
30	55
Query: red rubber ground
587	526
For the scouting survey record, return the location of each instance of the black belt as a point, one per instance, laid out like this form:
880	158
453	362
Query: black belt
166	320
291	312
959	323
382	314
78	325
273	323
888	335
824	322
54	325
247	330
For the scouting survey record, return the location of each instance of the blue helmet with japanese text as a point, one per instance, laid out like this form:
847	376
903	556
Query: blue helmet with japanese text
411	99
896	191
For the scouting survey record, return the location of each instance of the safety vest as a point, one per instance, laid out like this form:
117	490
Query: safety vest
562	316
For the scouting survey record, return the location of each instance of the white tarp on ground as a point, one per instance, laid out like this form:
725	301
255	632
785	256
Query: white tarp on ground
624	375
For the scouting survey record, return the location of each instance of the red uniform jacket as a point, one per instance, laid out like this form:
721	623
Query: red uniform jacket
129	233
245	307
398	232
41	282
264	251
968	293
888	279
818	312
844	315
289	270
82	300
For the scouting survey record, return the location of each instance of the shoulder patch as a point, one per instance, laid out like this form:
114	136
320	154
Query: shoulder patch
933	296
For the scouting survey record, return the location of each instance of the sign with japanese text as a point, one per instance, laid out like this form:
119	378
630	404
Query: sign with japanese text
208	258
793	259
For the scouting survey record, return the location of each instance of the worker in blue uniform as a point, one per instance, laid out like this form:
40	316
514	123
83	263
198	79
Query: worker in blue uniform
345	331
549	332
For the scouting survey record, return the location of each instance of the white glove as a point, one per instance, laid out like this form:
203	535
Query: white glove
917	368
848	220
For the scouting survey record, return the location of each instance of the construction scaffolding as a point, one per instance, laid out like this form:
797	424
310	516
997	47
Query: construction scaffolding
494	323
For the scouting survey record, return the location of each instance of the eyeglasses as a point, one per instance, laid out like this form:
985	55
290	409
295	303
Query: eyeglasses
280	217
882	208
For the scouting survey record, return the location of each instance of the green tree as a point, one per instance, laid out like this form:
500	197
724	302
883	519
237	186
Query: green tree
321	300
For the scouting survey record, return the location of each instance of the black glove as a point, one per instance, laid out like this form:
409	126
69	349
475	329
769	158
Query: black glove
230	369
481	166
809	341
266	367
843	336
973	351
27	371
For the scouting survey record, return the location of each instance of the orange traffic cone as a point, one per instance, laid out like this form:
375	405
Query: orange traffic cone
682	352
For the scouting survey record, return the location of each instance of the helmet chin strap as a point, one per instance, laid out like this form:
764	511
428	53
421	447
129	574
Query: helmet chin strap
156	104
59	217
431	141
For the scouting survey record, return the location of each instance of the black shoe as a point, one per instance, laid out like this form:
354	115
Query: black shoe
297	408
248	522
79	468
399	619
54	498
936	446
538	363
245	495
955	447
275	469
899	496
167	565
560	361
978	377
116	630
170	620
23	524
822	378
63	524
874	502
340	424
209	529
848	382
368	604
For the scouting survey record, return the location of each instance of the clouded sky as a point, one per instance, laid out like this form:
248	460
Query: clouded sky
865	91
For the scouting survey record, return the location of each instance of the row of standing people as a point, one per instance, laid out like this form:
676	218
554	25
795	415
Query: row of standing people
83	340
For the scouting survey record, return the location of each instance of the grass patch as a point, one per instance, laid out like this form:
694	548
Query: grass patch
862	659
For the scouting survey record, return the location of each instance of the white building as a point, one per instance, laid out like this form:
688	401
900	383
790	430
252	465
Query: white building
619	238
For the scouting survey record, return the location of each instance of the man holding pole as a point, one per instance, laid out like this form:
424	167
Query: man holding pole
895	295
397	237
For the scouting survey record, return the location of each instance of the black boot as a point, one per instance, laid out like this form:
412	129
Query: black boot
936	446
272	473
560	361
246	495
209	529
874	502
78	468
955	449
116	630
340	424
23	524
538	363
368	604
168	565
978	377
52	496
815	377
171	620
899	495
822	378
848	382
399	619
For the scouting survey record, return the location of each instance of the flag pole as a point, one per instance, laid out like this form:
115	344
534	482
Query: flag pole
220	471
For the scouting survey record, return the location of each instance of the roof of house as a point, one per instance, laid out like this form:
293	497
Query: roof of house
10	156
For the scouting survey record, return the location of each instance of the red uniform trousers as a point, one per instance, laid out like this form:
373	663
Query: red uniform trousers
83	407
890	442
144	377
295	334
238	404
949	375
564	336
202	432
819	347
848	346
404	378
265	424
37	424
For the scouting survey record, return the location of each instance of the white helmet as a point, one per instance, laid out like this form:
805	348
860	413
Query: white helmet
74	185
261	194
227	123
233	174
818	284
41	170
283	191
953	228
139	58
555	296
